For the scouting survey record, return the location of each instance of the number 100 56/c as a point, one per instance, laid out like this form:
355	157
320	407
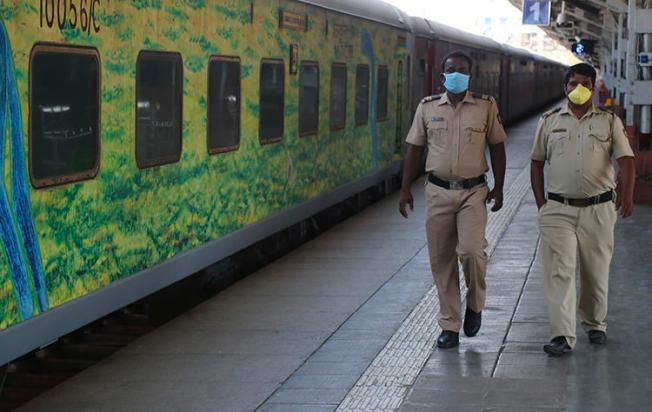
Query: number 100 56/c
78	13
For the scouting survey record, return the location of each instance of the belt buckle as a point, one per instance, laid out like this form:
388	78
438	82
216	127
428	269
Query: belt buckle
456	185
566	201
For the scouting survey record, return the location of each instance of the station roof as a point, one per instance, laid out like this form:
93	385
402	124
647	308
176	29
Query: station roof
373	10
587	20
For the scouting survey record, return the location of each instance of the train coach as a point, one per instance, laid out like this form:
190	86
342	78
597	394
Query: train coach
146	140
504	72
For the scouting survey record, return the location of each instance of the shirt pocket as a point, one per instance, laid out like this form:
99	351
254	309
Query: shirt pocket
476	133
437	133
601	142
557	142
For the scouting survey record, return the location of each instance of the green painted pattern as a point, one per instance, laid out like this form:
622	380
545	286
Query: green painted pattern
98	231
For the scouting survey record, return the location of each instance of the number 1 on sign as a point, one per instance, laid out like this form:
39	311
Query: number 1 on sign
534	8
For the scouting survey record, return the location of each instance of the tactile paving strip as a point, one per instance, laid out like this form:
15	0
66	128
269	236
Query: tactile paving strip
386	381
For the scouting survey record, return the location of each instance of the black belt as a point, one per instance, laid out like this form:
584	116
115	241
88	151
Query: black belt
589	201
456	184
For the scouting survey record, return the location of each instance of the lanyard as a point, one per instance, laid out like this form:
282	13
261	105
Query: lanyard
16	225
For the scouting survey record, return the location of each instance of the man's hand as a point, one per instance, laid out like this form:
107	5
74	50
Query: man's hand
626	206
497	196
536	179
406	199
625	202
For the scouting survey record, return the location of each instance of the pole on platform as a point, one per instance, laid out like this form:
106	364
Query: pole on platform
619	60
646	74
612	57
631	60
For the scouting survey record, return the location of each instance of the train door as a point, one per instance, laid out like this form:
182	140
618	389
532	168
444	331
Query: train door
504	88
440	52
420	68
398	139
430	72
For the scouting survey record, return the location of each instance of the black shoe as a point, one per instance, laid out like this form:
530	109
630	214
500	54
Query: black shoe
448	339
557	346
472	322
597	337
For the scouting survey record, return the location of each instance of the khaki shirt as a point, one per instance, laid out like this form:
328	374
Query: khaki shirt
579	150
456	136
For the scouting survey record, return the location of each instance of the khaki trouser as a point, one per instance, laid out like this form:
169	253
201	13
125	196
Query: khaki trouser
565	230
455	226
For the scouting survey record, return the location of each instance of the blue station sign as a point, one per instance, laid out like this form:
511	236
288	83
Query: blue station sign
536	12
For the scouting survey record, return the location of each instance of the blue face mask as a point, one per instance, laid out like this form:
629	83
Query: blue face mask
456	82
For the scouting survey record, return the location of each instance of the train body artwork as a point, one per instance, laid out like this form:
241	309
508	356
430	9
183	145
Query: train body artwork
145	140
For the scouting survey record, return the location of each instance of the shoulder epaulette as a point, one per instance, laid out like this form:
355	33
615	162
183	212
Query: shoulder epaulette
553	111
481	96
605	110
431	98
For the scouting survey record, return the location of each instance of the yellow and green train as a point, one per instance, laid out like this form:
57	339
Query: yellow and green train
147	139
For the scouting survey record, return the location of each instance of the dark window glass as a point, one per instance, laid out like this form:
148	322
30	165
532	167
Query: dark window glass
223	104
362	95
308	99
272	100
383	80
338	96
64	114
159	84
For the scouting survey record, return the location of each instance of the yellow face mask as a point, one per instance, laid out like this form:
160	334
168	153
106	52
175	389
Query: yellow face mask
580	95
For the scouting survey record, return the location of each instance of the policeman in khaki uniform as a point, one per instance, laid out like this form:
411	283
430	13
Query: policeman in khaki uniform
577	141
456	127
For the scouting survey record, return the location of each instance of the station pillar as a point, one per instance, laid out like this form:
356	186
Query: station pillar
638	92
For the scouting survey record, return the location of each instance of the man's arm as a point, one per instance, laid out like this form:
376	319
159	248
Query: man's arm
498	164
625	202
537	182
538	157
625	156
410	172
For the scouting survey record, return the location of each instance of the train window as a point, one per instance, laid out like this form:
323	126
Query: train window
308	98
64	115
272	101
159	84
223	104
381	105
338	96
362	95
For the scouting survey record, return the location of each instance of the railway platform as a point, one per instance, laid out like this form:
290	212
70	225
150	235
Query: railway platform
348	322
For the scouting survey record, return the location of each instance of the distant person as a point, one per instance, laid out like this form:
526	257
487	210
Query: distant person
456	127
578	141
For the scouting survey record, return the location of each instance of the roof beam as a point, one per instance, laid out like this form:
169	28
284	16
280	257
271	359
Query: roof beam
596	25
